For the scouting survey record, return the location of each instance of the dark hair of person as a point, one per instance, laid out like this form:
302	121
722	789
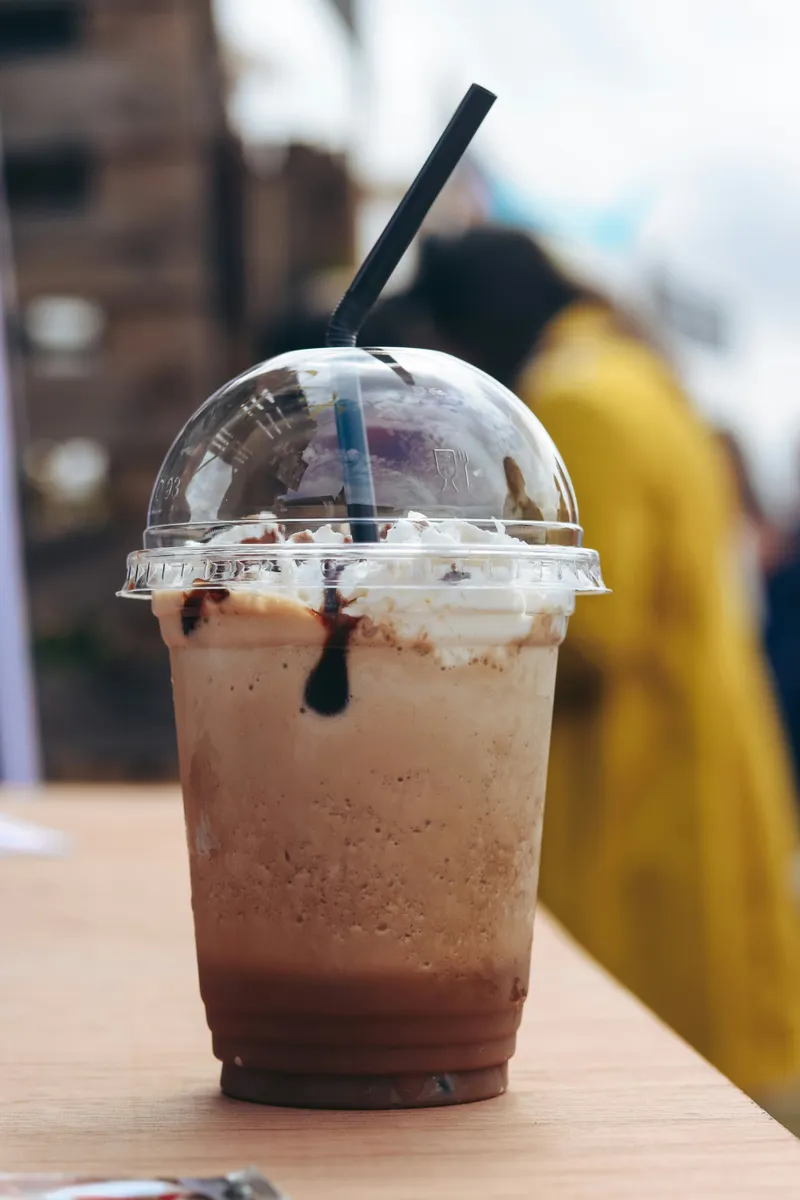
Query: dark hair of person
400	320
295	329
491	292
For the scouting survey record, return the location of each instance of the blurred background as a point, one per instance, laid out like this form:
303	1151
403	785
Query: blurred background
185	181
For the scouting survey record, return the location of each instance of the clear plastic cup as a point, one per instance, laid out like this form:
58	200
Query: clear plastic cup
363	729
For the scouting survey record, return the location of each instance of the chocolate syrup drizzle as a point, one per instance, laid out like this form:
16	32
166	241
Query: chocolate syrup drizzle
327	690
192	608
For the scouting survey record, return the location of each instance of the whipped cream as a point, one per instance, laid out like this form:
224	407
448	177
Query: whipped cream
447	596
481	604
447	584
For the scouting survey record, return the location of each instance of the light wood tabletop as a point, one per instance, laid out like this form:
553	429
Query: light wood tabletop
105	1064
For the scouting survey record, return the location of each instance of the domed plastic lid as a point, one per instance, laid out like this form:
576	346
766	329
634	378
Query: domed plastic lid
445	440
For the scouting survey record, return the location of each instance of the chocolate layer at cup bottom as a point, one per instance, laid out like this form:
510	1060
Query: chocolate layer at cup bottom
367	1025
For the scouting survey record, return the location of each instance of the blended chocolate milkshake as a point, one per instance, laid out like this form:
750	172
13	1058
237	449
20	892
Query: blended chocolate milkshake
363	774
363	697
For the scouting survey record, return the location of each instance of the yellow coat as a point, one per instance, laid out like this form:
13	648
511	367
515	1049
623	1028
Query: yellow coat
670	833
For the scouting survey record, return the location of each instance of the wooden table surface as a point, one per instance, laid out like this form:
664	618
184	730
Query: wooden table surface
105	1062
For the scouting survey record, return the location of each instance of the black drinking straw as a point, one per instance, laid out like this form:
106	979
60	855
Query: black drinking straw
368	284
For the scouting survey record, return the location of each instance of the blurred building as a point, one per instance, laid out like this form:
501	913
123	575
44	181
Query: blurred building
149	251
113	130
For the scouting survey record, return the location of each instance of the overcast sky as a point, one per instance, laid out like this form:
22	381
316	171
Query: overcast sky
594	94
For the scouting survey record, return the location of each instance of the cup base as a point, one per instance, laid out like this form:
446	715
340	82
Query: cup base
362	1091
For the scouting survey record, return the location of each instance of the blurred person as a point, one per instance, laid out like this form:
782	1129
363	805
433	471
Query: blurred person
757	534
772	558
782	635
766	537
670	832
